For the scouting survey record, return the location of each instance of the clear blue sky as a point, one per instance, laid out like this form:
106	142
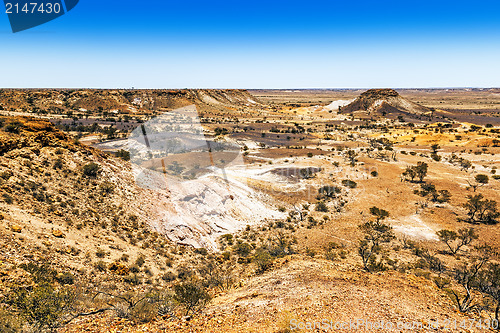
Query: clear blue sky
258	44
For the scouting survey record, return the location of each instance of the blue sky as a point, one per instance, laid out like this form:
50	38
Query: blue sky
258	44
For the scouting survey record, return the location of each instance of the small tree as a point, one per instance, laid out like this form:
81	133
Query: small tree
417	171
421	170
375	234
352	157
467	276
480	209
480	180
410	173
455	241
489	284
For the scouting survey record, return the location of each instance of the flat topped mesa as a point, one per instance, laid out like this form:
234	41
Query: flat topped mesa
380	93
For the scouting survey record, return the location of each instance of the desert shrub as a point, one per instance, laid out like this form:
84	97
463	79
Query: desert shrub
310	252
331	255
91	170
44	307
100	266
419	171
168	276
380	214
139	307
441	282
58	164
184	272
228	238
349	183
13	127
243	249
107	188
141	259
481	179
331	246
132	279
123	154
65	278
201	251
343	253
216	274
329	191
40	273
100	253
9	322
191	296
374	173
321	207
436	157
7	198
263	260
308	173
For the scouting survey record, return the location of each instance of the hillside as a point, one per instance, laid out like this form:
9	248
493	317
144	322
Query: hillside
172	243
123	101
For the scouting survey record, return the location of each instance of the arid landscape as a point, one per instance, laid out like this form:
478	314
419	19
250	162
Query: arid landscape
249	210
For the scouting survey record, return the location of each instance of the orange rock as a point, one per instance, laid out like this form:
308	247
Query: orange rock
57	233
119	268
16	228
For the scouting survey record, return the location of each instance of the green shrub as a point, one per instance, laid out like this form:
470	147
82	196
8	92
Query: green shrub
263	260
243	249
192	296
9	323
91	170
43	307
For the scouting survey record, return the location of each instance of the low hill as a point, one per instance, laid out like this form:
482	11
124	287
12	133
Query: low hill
385	102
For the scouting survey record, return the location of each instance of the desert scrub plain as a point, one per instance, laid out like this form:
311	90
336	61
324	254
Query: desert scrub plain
385	209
